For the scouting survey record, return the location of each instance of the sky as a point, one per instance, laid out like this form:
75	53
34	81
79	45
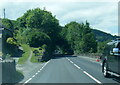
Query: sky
101	14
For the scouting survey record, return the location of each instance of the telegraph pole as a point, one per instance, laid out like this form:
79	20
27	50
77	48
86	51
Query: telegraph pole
4	12
44	8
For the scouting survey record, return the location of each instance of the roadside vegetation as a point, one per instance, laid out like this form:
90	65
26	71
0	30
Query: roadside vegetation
39	31
37	54
25	55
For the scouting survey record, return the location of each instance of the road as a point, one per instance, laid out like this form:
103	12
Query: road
69	70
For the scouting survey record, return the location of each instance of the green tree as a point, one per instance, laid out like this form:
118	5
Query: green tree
37	39
80	37
73	34
43	21
7	24
89	44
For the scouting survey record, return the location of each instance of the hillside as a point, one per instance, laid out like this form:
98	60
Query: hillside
103	36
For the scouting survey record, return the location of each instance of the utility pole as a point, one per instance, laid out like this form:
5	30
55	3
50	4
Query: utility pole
44	8
4	12
0	22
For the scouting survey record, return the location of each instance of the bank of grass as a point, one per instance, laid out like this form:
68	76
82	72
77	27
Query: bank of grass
35	58
26	54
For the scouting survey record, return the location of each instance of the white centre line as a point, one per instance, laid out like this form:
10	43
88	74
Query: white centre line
92	77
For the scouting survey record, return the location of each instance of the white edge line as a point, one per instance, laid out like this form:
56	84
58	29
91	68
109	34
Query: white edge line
92	77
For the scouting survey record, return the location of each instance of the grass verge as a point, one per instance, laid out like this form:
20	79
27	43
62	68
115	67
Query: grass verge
25	55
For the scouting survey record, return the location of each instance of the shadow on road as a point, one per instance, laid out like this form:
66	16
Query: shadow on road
116	79
13	80
19	76
57	56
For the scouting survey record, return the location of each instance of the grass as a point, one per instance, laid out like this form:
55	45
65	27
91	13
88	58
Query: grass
0	53
25	55
27	49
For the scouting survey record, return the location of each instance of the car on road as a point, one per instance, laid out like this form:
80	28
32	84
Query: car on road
111	60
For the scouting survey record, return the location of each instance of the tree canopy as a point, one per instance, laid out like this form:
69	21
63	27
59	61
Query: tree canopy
80	37
39	28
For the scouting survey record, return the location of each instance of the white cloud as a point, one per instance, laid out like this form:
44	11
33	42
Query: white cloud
102	15
60	0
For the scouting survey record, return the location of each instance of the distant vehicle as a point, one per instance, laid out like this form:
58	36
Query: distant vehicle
111	60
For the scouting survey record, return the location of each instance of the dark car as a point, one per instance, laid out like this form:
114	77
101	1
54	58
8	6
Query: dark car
111	60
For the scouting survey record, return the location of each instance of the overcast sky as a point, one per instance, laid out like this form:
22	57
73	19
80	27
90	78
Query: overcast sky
101	15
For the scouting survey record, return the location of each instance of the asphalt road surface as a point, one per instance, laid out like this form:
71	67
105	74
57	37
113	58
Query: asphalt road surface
69	70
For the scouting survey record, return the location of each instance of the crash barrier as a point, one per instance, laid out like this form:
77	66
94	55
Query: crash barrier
8	71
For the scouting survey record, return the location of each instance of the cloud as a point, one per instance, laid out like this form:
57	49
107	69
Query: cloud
60	0
101	15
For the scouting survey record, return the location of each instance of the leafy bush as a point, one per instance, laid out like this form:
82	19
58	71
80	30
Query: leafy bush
10	40
37	39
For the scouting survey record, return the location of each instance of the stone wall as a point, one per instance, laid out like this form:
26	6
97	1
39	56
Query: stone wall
0	45
0	73
8	71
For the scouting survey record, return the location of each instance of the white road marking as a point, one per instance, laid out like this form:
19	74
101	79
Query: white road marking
85	72
92	77
68	58
77	66
33	76
71	62
74	64
35	73
28	80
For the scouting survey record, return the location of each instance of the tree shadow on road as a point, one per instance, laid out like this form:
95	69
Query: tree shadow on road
13	80
117	79
18	77
57	56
